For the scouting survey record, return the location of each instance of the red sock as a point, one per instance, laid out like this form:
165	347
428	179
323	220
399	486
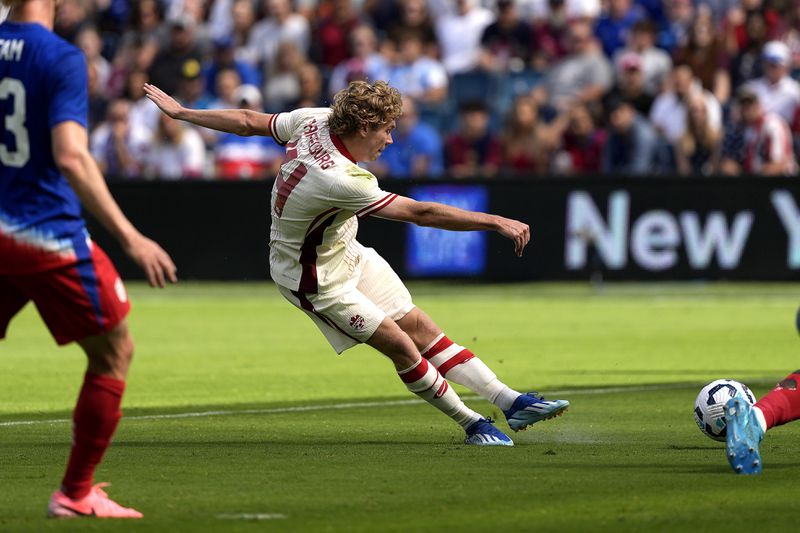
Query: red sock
782	404
94	421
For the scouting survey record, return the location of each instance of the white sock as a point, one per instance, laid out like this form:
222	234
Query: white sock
426	382
760	417
461	366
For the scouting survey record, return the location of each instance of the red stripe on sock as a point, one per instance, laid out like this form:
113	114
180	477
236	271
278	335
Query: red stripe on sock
442	389
438	348
461	357
94	422
417	373
782	404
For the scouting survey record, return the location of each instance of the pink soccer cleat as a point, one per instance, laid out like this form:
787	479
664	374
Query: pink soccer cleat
96	504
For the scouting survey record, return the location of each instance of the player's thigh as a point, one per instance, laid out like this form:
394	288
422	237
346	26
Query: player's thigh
346	317
382	286
12	299
79	300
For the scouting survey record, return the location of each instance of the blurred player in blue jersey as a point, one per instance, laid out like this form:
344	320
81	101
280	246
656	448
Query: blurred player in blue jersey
46	254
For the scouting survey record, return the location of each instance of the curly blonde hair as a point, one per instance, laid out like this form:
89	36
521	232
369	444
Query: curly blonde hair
362	104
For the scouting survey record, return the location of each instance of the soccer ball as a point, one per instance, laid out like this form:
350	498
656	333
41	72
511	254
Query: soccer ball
709	407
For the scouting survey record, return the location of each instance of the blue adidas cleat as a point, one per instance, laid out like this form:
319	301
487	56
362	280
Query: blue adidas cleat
530	408
743	435
483	433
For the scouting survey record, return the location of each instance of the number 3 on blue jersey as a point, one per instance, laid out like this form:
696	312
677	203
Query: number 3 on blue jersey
15	123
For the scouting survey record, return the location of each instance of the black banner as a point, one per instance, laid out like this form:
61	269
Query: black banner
625	229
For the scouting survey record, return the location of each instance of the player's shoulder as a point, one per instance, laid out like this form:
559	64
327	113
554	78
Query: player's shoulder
307	114
350	176
50	49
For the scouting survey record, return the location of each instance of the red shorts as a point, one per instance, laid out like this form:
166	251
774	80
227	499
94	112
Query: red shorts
77	300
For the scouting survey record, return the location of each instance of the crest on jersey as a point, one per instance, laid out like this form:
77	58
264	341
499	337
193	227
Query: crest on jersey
357	322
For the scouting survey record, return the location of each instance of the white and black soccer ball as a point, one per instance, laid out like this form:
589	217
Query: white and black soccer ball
709	407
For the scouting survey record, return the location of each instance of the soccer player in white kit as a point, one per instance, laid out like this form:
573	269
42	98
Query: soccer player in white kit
349	291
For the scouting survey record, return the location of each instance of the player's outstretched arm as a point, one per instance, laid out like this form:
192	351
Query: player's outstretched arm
239	121
71	153
452	218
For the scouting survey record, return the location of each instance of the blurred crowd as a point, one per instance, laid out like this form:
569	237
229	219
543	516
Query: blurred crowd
490	87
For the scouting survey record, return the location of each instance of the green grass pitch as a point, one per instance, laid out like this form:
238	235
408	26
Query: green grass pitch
239	417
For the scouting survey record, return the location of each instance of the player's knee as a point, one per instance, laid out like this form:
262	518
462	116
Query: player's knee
124	349
118	351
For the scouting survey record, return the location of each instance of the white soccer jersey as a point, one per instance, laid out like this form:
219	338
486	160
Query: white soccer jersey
317	198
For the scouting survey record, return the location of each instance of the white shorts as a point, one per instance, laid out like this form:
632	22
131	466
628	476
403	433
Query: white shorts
350	315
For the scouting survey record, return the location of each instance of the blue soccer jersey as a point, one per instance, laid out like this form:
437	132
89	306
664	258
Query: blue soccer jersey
43	82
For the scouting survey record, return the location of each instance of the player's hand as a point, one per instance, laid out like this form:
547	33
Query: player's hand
156	263
165	102
515	230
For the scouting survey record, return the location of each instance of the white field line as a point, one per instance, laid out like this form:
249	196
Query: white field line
349	405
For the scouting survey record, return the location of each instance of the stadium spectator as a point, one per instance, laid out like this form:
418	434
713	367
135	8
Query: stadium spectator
180	48
791	36
768	149
718	9
282	86
505	43
776	90
312	87
614	25
329	39
366	62
414	15
697	151
98	98
473	150
416	150
191	93
247	158
192	86
630	84
586	10
144	36
732	149
459	34
656	64
414	74
632	145
72	16
224	56
745	61
47	255
280	26
668	113
194	9
350	292
673	30
175	151
739	30
243	19
582	144
142	112
705	53
118	144
583	76
549	36
88	40
528	141
228	80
